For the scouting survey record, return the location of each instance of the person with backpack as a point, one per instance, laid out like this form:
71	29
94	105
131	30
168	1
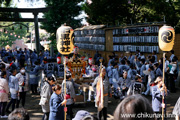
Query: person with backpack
46	92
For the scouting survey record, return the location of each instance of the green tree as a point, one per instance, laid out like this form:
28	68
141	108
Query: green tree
60	12
107	12
5	3
117	12
9	34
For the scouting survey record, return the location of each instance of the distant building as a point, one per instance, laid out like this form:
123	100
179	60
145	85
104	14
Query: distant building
19	44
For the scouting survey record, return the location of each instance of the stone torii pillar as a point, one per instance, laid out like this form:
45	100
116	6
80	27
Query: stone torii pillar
36	31
16	18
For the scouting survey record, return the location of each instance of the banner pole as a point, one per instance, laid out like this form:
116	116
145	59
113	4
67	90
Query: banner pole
65	110
164	84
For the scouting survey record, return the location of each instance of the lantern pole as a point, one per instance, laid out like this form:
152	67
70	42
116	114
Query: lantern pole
164	54
166	38
64	35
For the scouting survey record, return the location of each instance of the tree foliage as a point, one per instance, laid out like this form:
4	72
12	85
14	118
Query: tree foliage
60	12
115	12
5	3
9	34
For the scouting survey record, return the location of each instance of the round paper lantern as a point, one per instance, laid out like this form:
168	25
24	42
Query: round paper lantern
65	39
166	38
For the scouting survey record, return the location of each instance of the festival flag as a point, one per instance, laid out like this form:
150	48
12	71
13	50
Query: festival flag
99	91
100	94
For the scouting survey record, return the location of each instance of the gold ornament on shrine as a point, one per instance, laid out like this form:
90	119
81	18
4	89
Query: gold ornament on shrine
77	67
166	38
65	40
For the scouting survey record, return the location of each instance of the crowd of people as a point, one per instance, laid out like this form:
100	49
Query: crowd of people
125	77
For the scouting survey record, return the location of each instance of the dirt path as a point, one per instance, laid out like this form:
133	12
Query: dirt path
36	113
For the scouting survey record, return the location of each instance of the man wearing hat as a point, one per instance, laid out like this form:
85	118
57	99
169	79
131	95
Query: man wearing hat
70	94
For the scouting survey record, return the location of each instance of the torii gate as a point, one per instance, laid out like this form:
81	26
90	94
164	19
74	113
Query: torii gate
34	11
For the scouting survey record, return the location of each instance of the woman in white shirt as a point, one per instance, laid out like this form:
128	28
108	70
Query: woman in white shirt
4	90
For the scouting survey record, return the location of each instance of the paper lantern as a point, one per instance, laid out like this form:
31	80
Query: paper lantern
65	40
166	38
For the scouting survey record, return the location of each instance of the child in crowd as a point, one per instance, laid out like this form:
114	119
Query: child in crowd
57	103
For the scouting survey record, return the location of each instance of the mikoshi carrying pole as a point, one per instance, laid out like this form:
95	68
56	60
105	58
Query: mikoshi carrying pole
166	38
65	45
